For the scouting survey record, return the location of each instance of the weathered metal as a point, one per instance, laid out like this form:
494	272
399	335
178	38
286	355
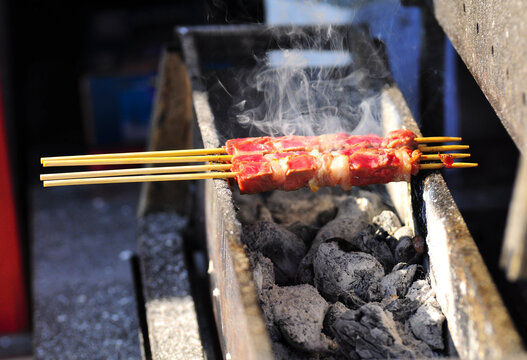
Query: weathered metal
477	320
491	38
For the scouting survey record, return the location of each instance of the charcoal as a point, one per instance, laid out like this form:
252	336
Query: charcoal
284	352
266	304
351	300
388	220
427	324
420	291
420	348
305	232
377	202
405	252
249	207
332	315
401	309
337	272
398	281
264	214
367	242
370	333
263	271
281	246
343	228
404	231
302	205
299	312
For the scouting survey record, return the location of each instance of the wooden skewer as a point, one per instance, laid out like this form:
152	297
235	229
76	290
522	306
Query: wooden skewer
146	160
139	178
460	165
426	157
143	154
440	148
137	171
436	139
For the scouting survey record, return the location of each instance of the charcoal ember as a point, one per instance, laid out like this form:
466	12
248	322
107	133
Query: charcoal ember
263	271
302	205
404	231
370	333
427	324
281	246
388	220
305	232
401	309
405	251
334	312
338	272
299	312
398	281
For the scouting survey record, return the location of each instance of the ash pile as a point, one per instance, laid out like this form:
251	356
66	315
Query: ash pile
339	277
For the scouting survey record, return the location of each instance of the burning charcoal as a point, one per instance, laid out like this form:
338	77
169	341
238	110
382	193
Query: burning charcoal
334	312
299	313
338	272
404	231
398	281
302	205
405	252
401	309
281	246
427	324
388	220
370	333
263	271
378	204
305	232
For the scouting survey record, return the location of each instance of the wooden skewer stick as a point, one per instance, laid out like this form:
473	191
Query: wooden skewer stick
146	160
440	148
460	165
139	178
137	171
143	154
426	157
436	139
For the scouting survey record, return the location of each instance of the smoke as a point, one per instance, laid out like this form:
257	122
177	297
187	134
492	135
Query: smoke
313	86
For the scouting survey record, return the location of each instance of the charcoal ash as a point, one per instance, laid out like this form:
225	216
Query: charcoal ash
262	270
398	281
299	311
337	272
281	246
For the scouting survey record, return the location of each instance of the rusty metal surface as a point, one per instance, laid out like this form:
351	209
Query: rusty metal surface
491	38
171	128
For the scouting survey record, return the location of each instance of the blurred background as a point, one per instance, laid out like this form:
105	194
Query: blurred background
79	78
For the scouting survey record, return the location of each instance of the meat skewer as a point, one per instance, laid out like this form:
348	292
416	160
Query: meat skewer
286	163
